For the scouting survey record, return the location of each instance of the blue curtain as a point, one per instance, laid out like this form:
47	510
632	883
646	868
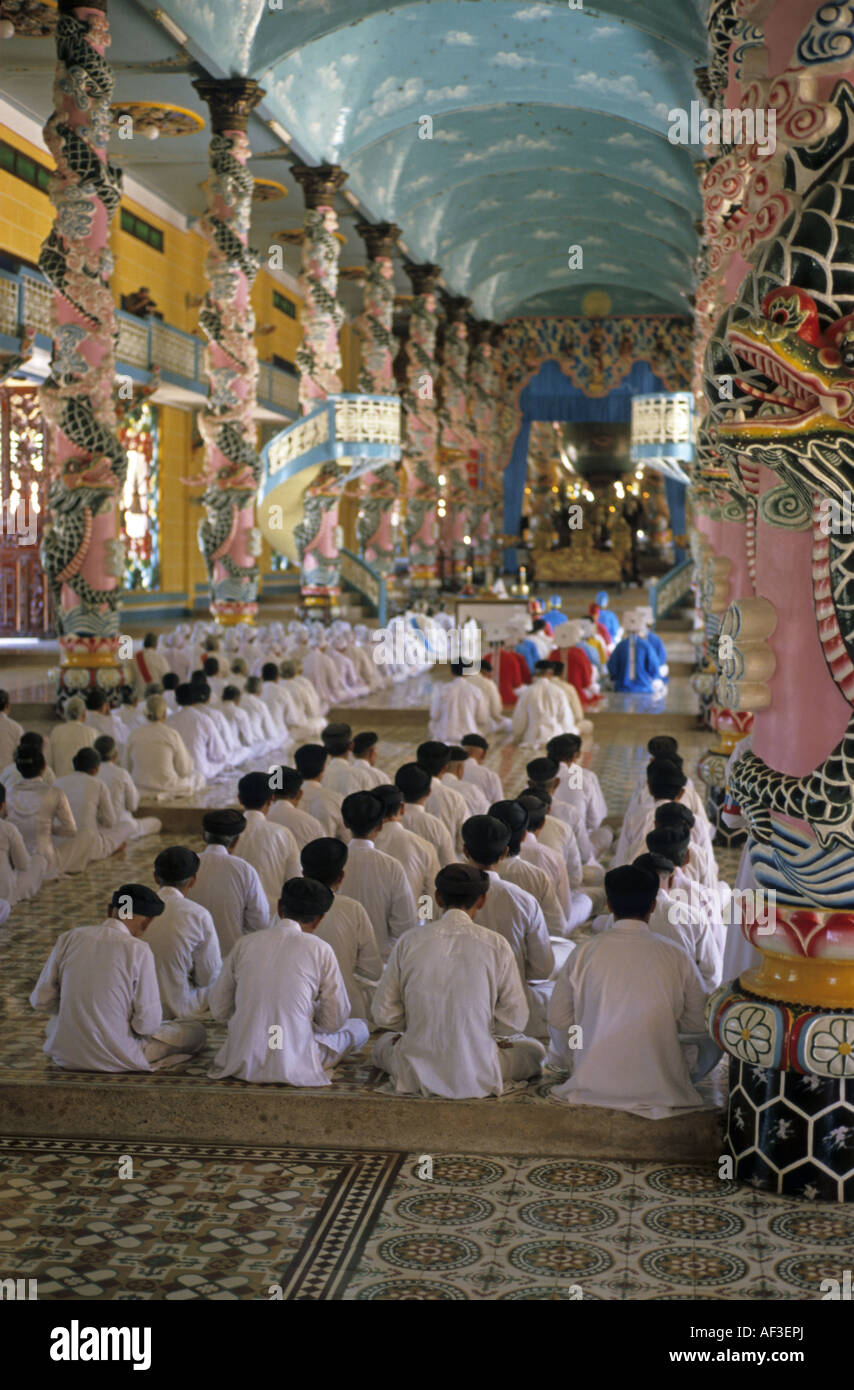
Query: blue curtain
675	493
551	396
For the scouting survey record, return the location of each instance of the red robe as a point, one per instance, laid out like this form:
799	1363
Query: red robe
579	672
512	672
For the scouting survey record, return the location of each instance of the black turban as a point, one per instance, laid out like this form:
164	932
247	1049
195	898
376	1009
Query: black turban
485	838
176	864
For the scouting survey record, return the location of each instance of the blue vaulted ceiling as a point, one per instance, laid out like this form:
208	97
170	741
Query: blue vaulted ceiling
549	131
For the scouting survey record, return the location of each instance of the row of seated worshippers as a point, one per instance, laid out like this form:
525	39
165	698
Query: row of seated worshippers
430	907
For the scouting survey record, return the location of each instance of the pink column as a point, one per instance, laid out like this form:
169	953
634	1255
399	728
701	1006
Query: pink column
378	491
81	552
455	440
228	537
422	428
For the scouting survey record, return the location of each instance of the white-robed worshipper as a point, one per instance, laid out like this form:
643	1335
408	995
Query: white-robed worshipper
739	953
276	699
444	800
374	878
348	674
100	988
131	711
251	745
286	785
514	914
282	993
170	684
319	668
453	776
227	885
491	694
457	706
695	900
541	711
475	770
514	869
342	773
572	901
265	726
228	735
10	730
686	923
215	675
310	718
159	762
416	856
661	748
579	787
123	792
564	820
583	726
183	938
66	738
21	873
319	800
200	736
42	813
35	742
415	783
361	654
98	833
176	651
365	748
666	782
637	1003
102	719
148	666
452	996
269	847
346	927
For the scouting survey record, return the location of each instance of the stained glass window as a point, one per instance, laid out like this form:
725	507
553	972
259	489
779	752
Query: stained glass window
139	501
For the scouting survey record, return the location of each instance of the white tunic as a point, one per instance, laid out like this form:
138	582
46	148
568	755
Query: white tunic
483	777
378	882
159	762
311	713
21	873
472	795
100	987
257	709
541	712
207	751
10	737
450	807
93	812
325	805
515	869
516	915
422	822
343	776
687	927
65	741
449	987
552	863
346	927
281	978
39	812
458	708
303	827
491	695
372	776
186	952
417	857
10	777
233	894
272	851
631	993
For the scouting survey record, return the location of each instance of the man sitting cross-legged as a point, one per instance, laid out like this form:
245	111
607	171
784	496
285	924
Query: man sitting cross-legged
447	990
281	990
183	938
100	988
346	926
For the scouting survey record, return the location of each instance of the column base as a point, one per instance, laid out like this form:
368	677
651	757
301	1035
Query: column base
229	614
791	1133
89	662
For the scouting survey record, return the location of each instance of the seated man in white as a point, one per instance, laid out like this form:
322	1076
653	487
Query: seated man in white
416	783
100	717
183	938
225	884
319	800
158	759
579	786
373	878
342	774
123	792
100	988
563	818
619	1006
661	748
171	681
32	742
416	856
541	711
475	769
542	856
66	738
443	800
21	873
365	746
42	814
265	726
282	993
251	744
452	995
299	689
286	785
207	751
98	833
10	730
696	901
453	776
227	731
457	707
515	914
514	869
270	848
346	926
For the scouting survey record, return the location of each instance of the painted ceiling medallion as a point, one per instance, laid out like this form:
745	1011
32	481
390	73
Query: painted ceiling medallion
33	19
159	116
596	304
268	191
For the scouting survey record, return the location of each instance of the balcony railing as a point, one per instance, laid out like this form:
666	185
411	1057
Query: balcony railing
144	345
672	589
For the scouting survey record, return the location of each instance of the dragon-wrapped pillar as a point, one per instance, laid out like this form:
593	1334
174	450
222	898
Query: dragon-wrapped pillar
228	537
81	552
785	435
378	490
319	361
422	429
455	438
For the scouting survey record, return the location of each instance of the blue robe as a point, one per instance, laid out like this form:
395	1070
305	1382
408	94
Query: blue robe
659	650
555	616
529	652
610	621
632	665
589	650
